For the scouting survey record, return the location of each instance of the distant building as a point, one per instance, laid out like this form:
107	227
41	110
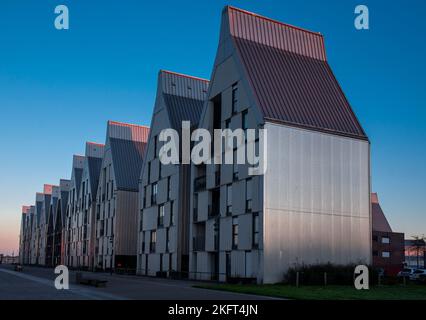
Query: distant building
415	253
70	235
8	259
388	246
117	196
163	234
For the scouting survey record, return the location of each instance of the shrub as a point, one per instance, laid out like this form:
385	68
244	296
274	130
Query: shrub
336	274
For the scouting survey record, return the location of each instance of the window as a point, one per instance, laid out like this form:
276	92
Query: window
169	191
154	193
249	195
244	123
160	166
385	254
161	215
155	146
235	233
171	213
143	242
385	240
235	166
149	171
153	241
256	230
234	98
229	199
167	240
141	221
144	197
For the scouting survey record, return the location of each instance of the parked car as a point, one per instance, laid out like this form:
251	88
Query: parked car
406	272
418	274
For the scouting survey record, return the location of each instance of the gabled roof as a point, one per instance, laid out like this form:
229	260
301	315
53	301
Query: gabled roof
77	170
183	96
287	70
380	223
38	206
127	161
64	186
94	156
127	143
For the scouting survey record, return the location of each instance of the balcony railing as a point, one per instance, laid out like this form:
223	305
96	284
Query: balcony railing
200	184
199	243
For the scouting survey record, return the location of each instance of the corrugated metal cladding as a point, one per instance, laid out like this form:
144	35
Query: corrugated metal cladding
94	150
95	165
249	26
290	77
183	109
47	198
77	161
127	158
126	131
183	85
78	173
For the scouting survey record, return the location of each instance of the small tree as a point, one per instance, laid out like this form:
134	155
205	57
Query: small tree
419	244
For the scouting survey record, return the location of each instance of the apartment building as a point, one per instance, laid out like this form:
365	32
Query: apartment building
164	191
387	245
35	230
42	226
50	230
117	196
23	236
312	205
85	217
59	222
70	234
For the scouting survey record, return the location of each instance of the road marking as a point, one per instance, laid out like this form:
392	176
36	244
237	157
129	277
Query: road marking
87	293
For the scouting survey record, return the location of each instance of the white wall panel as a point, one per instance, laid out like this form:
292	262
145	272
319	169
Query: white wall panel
316	200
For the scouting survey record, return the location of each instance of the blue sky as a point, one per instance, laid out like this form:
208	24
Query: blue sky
58	88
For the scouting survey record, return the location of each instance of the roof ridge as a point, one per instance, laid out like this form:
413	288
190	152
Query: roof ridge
273	20
184	75
95	143
124	124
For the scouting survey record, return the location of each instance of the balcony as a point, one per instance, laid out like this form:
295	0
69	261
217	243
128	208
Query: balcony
195	213
199	243
200	184
214	210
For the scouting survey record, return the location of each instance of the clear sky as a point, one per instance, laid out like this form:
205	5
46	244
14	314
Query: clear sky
58	88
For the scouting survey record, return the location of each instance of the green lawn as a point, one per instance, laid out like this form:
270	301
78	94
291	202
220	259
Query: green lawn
395	292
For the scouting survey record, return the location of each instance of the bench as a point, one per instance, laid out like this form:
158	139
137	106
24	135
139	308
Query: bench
18	268
88	281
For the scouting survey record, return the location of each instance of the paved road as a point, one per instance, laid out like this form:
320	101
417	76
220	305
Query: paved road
38	283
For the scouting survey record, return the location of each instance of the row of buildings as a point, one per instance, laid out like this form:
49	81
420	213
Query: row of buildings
124	209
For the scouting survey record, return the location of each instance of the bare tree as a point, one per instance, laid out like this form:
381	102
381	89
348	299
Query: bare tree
419	244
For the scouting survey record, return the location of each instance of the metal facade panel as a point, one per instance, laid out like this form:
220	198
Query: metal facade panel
181	85
94	150
125	131
183	109
127	158
316	200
